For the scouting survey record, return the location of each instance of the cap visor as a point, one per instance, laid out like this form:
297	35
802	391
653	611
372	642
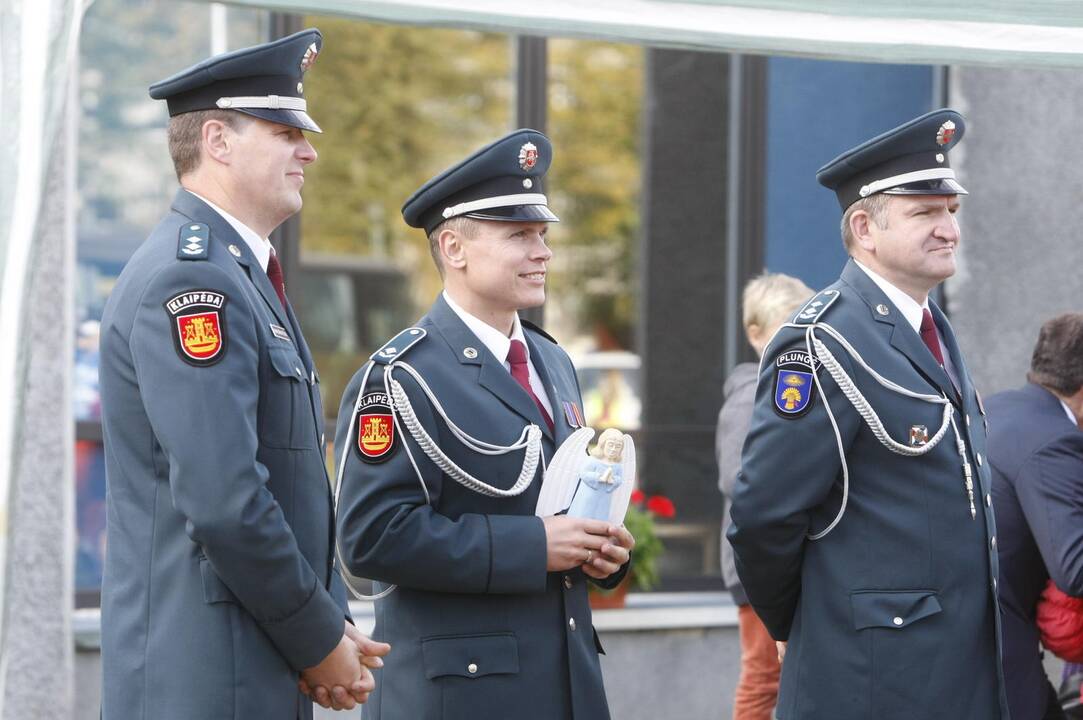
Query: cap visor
522	213
293	118
943	186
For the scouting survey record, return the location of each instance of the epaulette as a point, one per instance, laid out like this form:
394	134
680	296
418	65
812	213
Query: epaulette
535	328
194	242
816	307
397	346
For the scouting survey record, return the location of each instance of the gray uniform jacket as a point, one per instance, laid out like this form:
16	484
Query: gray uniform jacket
733	421
893	614
478	628
218	585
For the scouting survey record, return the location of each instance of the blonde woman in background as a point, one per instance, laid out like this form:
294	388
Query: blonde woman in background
768	301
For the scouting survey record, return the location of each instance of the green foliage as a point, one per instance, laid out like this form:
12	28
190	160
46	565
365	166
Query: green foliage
595	99
397	105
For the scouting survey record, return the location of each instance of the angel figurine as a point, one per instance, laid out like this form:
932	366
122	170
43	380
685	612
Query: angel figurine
598	485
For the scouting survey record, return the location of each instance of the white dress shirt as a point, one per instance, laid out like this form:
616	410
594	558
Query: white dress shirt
498	344
261	247
913	313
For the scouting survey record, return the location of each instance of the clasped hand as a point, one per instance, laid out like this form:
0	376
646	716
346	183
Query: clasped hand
598	548
344	678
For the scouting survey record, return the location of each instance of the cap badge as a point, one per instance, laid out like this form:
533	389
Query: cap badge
945	133
528	156
310	57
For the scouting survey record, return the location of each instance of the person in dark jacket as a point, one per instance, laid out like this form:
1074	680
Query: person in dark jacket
767	302
1036	451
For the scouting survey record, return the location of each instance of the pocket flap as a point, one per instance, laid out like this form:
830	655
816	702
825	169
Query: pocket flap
287	363
892	608
470	656
214	590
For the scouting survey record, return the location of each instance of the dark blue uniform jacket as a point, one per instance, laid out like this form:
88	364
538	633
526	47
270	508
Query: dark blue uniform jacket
892	615
477	626
218	585
1037	456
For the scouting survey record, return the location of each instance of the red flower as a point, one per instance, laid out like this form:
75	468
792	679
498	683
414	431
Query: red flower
661	506
638	496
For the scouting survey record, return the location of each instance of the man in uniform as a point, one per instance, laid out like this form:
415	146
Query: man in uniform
440	443
1036	452
219	593
862	521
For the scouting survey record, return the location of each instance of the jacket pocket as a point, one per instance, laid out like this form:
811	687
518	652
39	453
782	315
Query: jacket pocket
284	402
893	609
214	590
470	656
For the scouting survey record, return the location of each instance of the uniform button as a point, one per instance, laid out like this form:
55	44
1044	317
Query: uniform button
994	584
968	421
977	456
993	542
571	623
988	500
472	668
567	582
897	620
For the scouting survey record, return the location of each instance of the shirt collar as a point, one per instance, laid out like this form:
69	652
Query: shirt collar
261	247
497	343
905	304
1071	415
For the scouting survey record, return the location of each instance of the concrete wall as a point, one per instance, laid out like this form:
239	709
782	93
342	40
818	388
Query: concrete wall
1022	161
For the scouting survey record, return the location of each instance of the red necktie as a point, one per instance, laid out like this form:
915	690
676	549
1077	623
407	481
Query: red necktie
274	274
928	336
520	370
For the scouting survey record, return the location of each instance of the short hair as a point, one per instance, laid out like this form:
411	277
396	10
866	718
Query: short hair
771	298
461	224
874	205
1055	363
186	135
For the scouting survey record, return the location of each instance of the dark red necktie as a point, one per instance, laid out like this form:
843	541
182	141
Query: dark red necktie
520	370
274	274
929	337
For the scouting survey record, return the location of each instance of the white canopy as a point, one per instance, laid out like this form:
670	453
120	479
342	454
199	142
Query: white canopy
1002	32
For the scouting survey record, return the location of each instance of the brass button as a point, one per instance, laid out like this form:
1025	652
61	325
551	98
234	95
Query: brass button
897	620
571	623
472	668
567	582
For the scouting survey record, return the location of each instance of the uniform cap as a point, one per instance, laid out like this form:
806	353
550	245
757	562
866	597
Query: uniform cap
266	81
911	159
502	181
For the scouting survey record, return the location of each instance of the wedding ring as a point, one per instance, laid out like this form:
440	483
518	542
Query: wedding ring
590	554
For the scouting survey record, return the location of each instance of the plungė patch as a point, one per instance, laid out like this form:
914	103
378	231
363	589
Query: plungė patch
795	386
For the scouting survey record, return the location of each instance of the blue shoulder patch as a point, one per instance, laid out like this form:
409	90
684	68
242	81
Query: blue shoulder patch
816	307
194	242
397	346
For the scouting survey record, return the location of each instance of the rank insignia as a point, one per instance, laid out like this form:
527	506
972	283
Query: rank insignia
572	414
919	435
375	428
528	156
199	326
795	386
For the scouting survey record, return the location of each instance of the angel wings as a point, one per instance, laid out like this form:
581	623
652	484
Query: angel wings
597	486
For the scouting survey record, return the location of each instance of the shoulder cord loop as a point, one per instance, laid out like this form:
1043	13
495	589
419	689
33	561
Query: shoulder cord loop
865	410
530	439
405	415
